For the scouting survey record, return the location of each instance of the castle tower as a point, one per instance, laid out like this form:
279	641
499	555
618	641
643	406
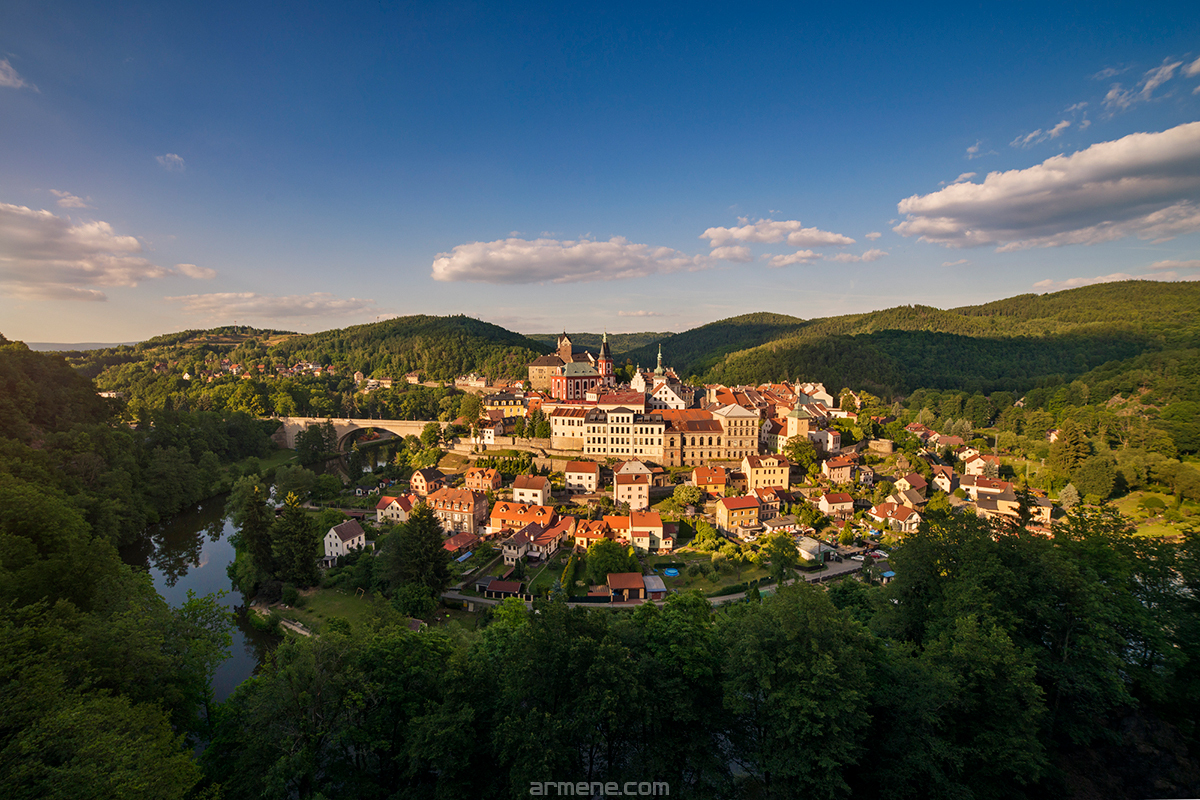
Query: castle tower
564	348
604	363
798	422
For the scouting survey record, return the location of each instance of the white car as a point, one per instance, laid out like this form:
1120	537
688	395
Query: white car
858	557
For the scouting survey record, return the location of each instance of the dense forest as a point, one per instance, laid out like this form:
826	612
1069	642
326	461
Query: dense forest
619	344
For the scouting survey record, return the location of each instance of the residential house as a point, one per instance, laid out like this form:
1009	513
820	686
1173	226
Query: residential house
737	514
546	544
913	481
838	505
482	480
711	480
567	427
459	510
783	524
766	470
907	497
999	506
626	586
944	478
976	486
460	543
343	538
770	500
499	590
978	464
587	532
632	489
619	527
426	481
582	476
648	534
532	489
517	545
897	517
395	509
514	516
839	469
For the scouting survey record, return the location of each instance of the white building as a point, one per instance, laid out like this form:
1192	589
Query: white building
343	538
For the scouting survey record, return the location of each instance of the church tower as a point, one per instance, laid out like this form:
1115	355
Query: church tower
604	363
564	348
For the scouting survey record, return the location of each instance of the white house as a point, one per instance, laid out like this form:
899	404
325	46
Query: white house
532	489
582	476
344	537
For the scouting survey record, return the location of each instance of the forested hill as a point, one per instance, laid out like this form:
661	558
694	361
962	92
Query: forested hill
1013	344
695	351
619	344
441	348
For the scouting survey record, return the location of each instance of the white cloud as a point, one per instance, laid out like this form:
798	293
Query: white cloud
640	314
771	231
731	253
1170	264
1143	185
975	151
68	200
873	235
171	162
849	258
1120	99
1039	136
555	261
962	178
196	273
1107	73
1072	283
958	263
244	305
1076	107
44	255
1192	69
10	79
800	257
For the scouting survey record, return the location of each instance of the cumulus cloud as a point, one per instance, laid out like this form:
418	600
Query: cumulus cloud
10	79
958	263
873	235
44	255
196	273
68	200
770	231
243	305
171	162
1039	136
1143	185
850	258
800	257
1072	283
731	253
556	261
1120	99
640	314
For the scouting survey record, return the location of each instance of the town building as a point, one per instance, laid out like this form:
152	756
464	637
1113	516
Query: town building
766	470
582	476
344	537
479	479
532	490
459	510
633	489
394	509
737	515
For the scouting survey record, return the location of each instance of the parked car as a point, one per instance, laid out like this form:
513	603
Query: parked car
877	554
858	557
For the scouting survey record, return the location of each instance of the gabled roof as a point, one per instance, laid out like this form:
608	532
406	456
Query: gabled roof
404	501
531	482
626	580
348	530
590	467
736	503
641	520
837	497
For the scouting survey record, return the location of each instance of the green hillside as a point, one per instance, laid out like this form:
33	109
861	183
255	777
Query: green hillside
440	347
1014	343
694	352
618	343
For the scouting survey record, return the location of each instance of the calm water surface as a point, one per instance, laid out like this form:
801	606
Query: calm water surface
190	552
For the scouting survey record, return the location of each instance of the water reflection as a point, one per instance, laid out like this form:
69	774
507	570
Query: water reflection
191	551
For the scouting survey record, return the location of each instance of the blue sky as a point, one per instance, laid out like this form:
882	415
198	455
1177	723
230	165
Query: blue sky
309	166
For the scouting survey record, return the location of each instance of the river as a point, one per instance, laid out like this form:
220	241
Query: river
190	552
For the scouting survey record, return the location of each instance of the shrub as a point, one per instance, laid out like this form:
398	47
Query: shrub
289	594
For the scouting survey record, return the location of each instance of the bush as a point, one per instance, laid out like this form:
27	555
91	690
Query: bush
289	594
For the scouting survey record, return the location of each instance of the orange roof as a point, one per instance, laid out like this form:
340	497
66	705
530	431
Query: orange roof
583	466
735	503
626	580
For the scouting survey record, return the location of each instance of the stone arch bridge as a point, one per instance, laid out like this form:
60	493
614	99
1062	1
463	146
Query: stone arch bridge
346	428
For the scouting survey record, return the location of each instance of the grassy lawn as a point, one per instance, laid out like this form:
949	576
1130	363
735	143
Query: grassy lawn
704	583
321	604
1153	523
543	579
453	463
